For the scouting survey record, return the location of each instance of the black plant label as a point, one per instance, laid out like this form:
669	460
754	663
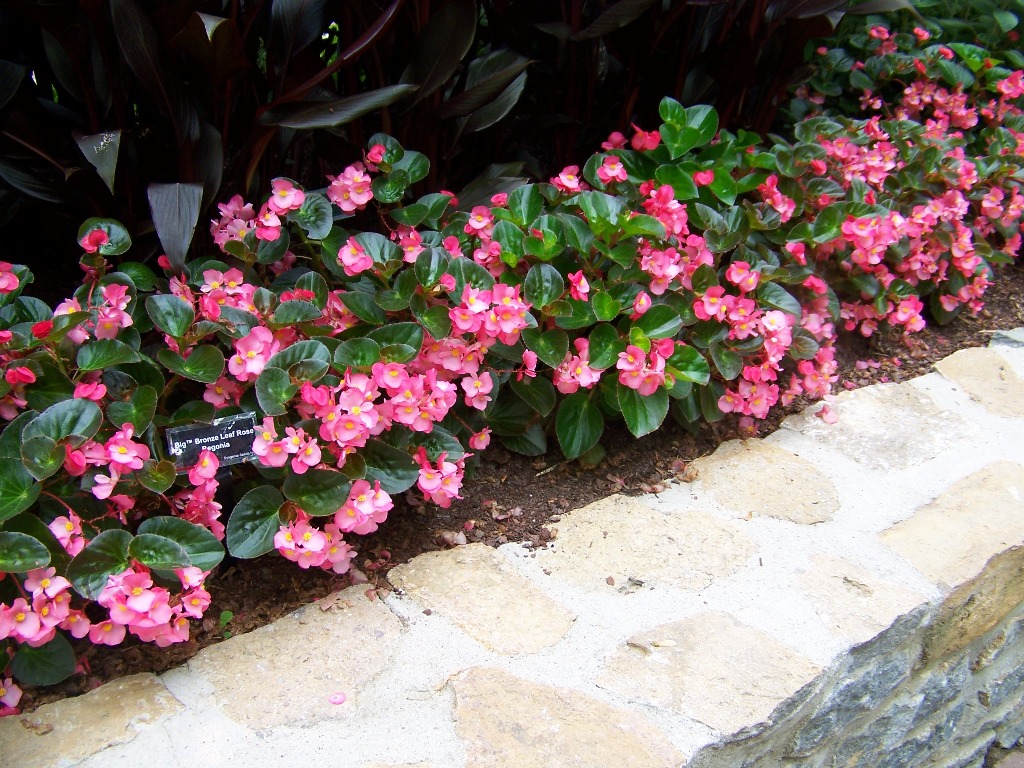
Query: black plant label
230	440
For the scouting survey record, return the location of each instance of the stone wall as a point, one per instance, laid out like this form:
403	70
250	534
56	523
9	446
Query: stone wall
934	690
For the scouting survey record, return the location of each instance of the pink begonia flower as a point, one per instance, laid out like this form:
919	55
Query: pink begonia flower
480	440
579	288
645	140
205	468
353	258
338	554
499	200
703	178
351	190
477	389
44	581
8	280
827	415
569	180
529	368
19	621
40	330
615	140
376	154
107	633
612	170
641	304
480	219
10	694
268	225
77	623
285	196
123	452
93	240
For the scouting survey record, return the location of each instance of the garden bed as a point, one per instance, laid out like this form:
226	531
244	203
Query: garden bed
516	498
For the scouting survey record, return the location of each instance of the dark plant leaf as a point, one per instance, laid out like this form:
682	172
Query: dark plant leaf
441	45
101	149
48	664
615	17
20	552
175	210
484	92
11	75
326	114
299	23
490	114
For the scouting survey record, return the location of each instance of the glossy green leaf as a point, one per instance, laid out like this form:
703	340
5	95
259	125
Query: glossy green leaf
171	314
659	322
393	467
642	413
156	476
690	365
104	353
42	456
159	552
550	346
605	346
205	364
105	555
294	312
118	240
430	265
254	522
356	353
410	334
274	388
537	392
203	549
48	664
681	182
605	306
20	552
77	419
318	491
441	45
728	362
543	285
316	216
364	307
775	296
578	424
439	440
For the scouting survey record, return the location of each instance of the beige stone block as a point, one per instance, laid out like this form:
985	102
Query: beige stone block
710	667
987	377
978	606
852	602
951	539
481	592
884	426
398	765
624	539
70	730
506	721
285	672
755	478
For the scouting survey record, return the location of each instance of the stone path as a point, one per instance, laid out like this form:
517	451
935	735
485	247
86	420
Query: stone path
846	595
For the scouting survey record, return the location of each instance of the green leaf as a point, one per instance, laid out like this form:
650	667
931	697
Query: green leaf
138	412
414	165
159	552
642	413
689	365
525	204
804	346
439	440
430	265
777	297
204	550
467	271
550	346
274	388
156	476
605	346
1007	21
409	334
435	320
537	392
300	352
680	181
48	664
104	353
605	306
364	307
543	285
659	322
578	424
11	437
105	555
42	456
533	442
20	552
601	210
315	216
728	362
509	415
254	522
318	491
118	240
205	364
71	418
393	467
171	314
828	223
295	312
356	353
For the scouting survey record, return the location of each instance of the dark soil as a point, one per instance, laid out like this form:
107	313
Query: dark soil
514	498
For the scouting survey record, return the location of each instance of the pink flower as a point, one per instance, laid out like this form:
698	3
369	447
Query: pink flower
10	694
205	468
354	258
477	389
703	178
480	219
107	633
480	440
641	304
93	240
644	140
123	452
285	196
612	170
579	288
351	190
615	141
568	180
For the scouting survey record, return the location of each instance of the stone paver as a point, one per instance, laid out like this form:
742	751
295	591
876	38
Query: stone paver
986	376
755	478
74	729
507	721
711	667
852	601
885	426
950	539
339	650
478	590
621	539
